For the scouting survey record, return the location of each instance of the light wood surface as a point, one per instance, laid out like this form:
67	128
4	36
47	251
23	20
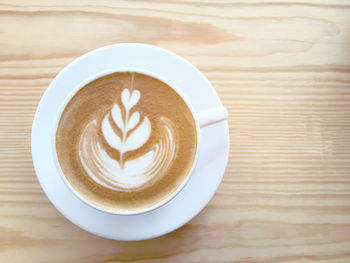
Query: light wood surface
282	68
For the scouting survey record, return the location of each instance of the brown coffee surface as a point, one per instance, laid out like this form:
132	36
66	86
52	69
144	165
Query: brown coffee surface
126	141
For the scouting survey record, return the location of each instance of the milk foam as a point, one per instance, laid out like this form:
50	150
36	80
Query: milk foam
126	174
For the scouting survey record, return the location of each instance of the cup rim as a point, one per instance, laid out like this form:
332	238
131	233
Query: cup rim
71	95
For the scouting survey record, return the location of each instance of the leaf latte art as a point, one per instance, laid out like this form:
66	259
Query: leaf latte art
133	133
126	141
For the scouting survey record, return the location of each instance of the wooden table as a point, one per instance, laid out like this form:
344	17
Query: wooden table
282	68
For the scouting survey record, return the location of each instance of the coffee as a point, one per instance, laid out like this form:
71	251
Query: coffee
126	141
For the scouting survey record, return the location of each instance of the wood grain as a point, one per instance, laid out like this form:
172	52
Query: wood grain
282	68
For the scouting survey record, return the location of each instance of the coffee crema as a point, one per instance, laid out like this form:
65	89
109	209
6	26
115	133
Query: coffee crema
126	141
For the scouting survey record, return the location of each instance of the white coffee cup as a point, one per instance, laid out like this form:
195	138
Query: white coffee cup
202	119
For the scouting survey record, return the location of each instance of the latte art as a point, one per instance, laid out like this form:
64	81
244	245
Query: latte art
126	174
126	141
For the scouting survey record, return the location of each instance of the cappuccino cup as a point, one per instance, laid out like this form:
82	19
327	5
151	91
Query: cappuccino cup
126	140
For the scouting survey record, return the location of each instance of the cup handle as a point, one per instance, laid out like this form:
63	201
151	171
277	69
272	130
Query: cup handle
211	116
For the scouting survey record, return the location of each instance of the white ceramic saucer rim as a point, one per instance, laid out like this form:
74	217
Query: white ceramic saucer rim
36	149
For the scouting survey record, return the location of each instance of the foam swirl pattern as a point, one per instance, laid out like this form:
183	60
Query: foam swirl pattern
134	173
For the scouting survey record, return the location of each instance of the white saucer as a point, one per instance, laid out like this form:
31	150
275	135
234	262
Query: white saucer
213	150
